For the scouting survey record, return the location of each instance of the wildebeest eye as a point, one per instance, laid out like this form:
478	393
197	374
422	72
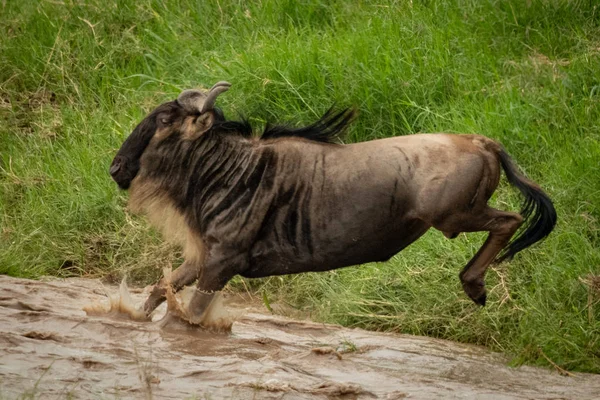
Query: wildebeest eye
164	118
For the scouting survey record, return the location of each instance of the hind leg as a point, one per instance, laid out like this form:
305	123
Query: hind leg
501	226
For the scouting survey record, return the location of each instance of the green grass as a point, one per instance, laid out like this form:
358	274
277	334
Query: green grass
76	77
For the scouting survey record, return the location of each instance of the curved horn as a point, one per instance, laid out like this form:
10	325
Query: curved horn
215	91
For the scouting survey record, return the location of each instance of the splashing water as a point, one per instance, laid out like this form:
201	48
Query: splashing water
215	318
119	305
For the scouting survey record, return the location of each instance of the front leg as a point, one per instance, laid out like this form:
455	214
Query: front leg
185	275
219	268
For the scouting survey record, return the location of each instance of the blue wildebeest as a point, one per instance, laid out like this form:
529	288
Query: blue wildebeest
293	201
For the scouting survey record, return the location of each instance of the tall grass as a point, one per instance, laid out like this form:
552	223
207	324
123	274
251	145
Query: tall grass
76	76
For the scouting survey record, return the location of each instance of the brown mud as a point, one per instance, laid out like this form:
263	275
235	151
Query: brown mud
50	348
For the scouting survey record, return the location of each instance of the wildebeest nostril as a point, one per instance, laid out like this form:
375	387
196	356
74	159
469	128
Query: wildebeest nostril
115	168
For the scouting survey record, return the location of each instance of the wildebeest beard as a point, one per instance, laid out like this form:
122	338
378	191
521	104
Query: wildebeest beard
291	201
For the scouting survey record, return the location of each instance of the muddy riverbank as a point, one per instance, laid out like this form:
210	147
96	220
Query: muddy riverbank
50	348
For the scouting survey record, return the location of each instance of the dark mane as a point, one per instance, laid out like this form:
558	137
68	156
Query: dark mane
325	130
237	128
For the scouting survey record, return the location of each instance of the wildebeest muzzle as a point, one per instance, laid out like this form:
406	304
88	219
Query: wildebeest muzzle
123	171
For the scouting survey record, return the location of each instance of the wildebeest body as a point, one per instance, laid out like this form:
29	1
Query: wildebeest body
316	220
291	202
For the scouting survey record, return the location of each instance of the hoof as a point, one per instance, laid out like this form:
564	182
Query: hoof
157	296
476	291
481	299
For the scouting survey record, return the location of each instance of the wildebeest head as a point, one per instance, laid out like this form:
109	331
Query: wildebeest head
186	118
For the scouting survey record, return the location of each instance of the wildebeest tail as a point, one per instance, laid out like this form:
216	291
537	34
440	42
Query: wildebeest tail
539	215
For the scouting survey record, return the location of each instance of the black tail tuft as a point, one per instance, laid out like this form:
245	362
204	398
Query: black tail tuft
325	130
538	212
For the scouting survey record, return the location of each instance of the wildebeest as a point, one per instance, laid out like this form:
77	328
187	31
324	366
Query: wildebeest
293	201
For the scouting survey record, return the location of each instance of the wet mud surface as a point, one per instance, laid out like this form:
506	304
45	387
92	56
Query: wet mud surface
49	348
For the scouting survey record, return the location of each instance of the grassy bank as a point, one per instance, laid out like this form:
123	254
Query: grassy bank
75	78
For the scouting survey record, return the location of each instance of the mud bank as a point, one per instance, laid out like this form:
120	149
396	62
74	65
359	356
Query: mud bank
49	348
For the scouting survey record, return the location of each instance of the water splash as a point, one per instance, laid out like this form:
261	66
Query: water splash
119	305
216	317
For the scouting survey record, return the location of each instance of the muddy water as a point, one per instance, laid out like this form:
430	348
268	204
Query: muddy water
49	348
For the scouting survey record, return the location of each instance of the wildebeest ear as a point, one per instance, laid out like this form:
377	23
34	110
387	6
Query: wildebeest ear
199	126
194	101
204	122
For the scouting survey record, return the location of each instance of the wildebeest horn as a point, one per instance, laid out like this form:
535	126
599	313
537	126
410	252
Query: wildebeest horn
193	100
215	91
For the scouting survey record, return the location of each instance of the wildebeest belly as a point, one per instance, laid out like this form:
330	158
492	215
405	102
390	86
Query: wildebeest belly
337	251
